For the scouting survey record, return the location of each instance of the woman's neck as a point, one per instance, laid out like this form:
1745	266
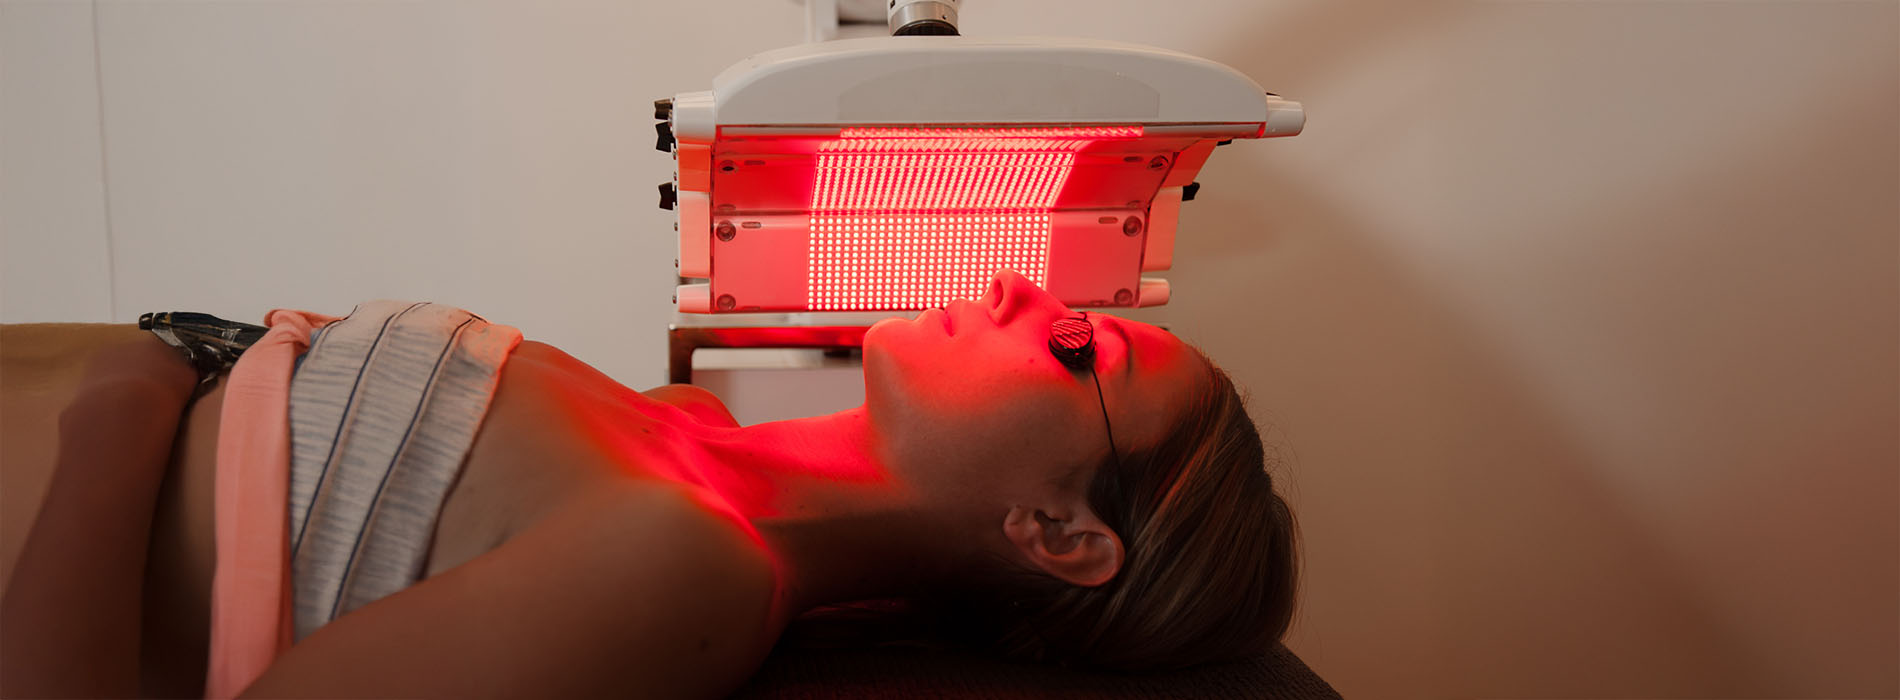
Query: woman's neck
825	497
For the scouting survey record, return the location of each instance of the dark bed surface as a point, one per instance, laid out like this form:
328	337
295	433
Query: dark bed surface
929	673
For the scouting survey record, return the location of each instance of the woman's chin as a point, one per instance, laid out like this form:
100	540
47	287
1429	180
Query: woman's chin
879	337
877	331
889	329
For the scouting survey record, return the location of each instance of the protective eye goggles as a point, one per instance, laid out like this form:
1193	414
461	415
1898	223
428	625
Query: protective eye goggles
1072	342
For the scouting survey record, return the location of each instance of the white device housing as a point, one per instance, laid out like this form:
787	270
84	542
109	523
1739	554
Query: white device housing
926	80
746	150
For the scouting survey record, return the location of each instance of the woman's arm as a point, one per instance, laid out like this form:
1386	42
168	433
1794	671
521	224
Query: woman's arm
642	593
69	624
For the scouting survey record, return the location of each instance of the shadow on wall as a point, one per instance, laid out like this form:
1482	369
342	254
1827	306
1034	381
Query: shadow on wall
1461	538
1409	524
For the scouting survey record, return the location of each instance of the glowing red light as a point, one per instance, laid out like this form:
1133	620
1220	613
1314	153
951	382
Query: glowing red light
909	218
1060	132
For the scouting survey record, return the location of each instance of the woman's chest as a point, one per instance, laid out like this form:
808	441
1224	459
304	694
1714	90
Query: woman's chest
548	441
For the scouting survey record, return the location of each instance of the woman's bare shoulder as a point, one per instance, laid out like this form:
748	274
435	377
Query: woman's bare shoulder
694	598
680	520
697	401
648	591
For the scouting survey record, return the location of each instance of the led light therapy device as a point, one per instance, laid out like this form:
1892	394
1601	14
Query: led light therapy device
900	173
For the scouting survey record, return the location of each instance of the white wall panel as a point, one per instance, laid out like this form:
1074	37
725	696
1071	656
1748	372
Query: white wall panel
53	252
496	156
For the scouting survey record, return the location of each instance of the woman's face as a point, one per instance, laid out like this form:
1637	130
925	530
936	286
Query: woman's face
972	393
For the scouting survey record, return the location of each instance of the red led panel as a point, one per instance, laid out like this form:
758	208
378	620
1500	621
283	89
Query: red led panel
940	182
1060	132
911	218
913	261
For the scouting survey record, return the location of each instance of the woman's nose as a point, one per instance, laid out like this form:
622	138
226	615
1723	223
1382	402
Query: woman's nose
1011	294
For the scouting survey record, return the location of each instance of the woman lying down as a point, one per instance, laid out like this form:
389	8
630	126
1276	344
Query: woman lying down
409	501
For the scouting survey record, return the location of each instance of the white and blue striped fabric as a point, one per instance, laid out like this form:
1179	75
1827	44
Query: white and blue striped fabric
383	409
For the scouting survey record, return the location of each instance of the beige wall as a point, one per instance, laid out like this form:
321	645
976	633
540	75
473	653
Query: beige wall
1577	323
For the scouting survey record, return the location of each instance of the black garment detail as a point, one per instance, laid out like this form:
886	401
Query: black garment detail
209	343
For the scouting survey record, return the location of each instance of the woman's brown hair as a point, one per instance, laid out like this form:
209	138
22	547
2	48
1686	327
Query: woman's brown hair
1209	573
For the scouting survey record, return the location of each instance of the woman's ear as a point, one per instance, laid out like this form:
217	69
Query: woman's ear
1068	542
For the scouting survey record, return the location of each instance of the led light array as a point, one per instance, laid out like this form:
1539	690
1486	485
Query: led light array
911	218
941	146
959	182
865	262
1056	132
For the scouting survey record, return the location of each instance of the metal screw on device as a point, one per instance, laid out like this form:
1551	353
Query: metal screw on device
922	17
1131	226
1124	297
725	231
727	303
1158	163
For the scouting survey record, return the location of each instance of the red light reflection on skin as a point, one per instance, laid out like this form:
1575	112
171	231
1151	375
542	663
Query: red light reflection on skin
755	470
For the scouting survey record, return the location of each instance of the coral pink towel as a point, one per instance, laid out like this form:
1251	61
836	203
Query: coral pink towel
250	593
